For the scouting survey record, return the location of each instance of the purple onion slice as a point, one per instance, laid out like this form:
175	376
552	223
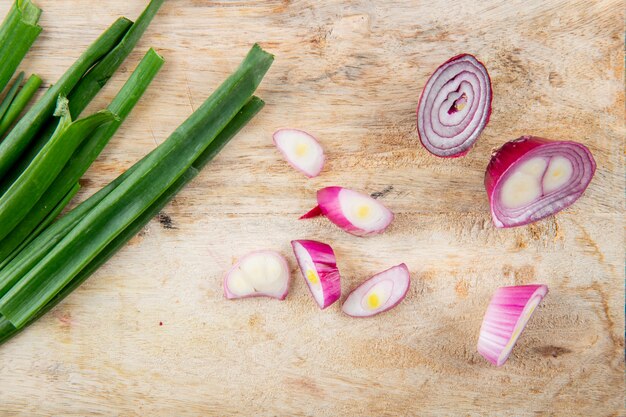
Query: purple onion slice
531	178
356	213
318	265
454	107
380	293
301	150
506	317
263	273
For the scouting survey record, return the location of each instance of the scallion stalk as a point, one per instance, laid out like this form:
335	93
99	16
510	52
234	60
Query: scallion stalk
10	95
7	330
98	76
12	147
11	272
52	215
19	103
89	85
86	153
28	188
122	206
18	32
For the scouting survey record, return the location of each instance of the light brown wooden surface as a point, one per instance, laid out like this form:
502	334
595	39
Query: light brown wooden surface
351	73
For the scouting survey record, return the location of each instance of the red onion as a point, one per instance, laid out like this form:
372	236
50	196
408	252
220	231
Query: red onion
454	107
531	178
319	269
258	274
380	293
301	150
356	213
506	317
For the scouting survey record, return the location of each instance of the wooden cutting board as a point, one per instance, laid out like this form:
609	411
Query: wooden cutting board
151	335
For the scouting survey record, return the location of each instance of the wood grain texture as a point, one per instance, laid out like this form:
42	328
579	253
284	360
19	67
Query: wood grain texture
151	335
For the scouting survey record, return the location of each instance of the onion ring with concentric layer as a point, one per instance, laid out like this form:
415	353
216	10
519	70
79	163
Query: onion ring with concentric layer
454	107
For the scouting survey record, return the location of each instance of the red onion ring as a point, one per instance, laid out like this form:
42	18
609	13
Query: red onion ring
454	107
561	173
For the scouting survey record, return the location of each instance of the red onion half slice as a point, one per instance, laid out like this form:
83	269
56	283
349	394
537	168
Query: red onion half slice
531	178
262	273
380	293
506	317
318	265
356	213
454	107
301	150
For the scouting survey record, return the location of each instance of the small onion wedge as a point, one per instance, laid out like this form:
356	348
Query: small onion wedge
301	150
356	213
319	268
258	274
531	178
454	107
380	293
506	317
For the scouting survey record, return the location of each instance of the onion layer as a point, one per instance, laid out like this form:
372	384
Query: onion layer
319	268
506	317
356	213
301	150
380	293
454	107
258	274
531	178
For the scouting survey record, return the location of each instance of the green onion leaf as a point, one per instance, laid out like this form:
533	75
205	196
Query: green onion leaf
35	229
98	76
20	102
7	330
25	130
28	188
8	98
86	153
135	194
88	86
26	259
18	32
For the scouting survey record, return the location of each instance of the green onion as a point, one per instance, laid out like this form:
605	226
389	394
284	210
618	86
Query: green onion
7	330
26	259
89	85
19	103
8	98
86	153
52	215
20	198
5	285
18	32
123	103
151	178
58	209
98	76
25	130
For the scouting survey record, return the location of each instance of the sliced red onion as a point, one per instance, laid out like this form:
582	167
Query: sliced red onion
531	178
319	269
258	274
301	150
454	107
356	213
380	293
506	317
